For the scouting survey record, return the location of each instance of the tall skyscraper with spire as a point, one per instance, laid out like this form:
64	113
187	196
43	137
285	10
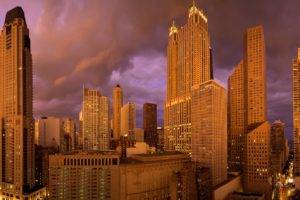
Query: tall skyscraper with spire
188	63
117	105
296	117
17	124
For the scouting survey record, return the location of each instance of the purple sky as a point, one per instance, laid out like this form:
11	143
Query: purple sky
103	42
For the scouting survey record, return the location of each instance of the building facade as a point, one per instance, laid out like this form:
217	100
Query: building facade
117	106
150	124
69	129
84	175
236	116
17	123
188	63
296	117
128	119
209	128
95	120
257	129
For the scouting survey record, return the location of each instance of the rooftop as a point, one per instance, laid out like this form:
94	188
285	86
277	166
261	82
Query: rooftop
14	13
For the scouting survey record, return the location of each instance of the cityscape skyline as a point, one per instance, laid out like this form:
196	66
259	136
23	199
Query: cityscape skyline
227	48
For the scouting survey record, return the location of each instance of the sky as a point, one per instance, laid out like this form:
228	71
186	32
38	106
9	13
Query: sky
101	43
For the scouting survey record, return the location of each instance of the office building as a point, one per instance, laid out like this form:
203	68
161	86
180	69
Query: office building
150	124
128	119
257	139
209	128
236	122
17	169
188	64
69	129
296	117
160	135
117	106
95	120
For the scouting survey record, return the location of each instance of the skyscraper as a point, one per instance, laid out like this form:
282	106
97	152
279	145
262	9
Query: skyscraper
17	124
117	105
150	124
257	129
209	128
236	117
188	64
95	120
296	117
69	130
128	117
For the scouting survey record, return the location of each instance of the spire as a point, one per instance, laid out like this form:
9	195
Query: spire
173	29
195	11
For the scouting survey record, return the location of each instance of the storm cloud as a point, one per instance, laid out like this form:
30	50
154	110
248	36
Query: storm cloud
99	43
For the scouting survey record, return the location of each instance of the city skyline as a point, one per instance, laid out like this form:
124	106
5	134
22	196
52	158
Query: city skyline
55	99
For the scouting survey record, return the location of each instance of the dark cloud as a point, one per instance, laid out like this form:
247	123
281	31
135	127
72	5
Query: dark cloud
100	43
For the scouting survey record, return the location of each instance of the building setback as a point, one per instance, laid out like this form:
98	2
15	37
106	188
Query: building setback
188	64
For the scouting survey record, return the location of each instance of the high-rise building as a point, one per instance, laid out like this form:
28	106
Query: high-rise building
188	63
209	128
278	147
95	122
160	135
69	129
49	132
257	139
296	118
128	117
80	131
150	124
117	106
236	122
17	123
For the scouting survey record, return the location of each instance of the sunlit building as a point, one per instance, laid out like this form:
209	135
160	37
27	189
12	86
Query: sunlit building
296	117
117	104
188	63
209	128
128	119
256	168
17	177
95	122
236	122
150	124
103	175
69	129
84	175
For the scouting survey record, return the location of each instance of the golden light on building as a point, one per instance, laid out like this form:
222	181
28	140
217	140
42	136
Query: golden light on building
296	117
209	128
17	123
236	117
117	106
188	64
257	129
95	122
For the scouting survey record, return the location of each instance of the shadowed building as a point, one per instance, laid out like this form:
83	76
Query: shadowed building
150	124
188	64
